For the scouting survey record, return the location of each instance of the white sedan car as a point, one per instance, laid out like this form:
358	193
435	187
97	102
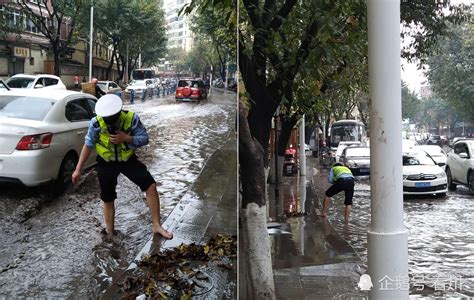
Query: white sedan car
42	134
139	87
25	81
422	176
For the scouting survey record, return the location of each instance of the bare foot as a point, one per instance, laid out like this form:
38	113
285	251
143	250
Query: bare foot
163	233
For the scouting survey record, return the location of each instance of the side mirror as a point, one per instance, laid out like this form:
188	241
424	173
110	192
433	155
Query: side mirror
38	86
441	164
463	155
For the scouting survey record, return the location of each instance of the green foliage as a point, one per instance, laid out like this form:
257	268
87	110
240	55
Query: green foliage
451	70
410	103
215	22
140	24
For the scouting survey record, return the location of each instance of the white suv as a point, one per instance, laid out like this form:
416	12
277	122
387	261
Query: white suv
460	165
25	81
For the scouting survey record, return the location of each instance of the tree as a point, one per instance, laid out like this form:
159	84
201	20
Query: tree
57	21
134	26
410	103
451	70
218	24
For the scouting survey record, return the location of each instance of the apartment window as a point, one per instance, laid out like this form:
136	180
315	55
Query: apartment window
31	27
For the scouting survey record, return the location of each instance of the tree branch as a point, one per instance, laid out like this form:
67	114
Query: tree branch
282	14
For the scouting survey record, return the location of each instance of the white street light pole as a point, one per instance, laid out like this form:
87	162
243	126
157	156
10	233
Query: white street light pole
210	81
226	74
90	40
302	153
387	237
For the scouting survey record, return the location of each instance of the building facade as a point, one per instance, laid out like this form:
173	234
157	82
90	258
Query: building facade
29	51
178	28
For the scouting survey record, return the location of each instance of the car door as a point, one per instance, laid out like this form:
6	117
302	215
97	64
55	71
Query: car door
113	88
78	113
457	161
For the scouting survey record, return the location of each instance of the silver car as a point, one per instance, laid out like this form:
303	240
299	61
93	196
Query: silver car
42	133
109	87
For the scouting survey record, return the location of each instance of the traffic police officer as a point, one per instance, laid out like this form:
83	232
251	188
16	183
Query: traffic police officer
342	179
115	134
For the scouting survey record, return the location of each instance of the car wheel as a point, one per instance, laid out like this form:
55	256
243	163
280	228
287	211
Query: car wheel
470	182
63	181
451	185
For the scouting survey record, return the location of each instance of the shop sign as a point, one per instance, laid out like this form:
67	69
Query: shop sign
21	51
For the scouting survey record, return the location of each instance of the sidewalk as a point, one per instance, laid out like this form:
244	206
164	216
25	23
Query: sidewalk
310	259
209	207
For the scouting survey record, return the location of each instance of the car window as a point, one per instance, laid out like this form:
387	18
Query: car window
459	148
50	81
22	107
183	83
102	86
39	82
77	110
417	159
91	104
20	82
113	85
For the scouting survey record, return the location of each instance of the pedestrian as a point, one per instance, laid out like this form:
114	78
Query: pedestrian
342	180
76	82
83	79
98	91
115	134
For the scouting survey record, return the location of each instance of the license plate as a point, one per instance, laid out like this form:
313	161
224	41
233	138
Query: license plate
422	184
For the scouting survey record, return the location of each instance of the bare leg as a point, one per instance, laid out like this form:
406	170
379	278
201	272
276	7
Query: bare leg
154	205
109	216
326	203
347	212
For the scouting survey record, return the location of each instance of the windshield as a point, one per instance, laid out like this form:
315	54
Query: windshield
358	152
341	133
20	82
24	107
138	83
102	85
414	159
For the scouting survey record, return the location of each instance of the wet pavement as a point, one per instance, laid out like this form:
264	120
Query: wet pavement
316	258
53	247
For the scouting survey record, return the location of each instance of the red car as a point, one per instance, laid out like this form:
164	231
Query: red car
191	90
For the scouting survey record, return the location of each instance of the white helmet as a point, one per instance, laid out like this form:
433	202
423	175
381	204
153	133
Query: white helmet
108	105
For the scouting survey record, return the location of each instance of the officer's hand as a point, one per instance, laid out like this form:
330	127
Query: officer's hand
75	176
120	137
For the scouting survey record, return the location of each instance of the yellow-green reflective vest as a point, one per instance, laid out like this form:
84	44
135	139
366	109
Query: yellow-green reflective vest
339	170
109	151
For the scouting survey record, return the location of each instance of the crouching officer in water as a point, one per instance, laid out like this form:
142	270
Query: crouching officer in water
342	179
115	134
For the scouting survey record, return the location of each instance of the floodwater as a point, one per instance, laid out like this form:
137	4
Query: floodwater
54	247
440	238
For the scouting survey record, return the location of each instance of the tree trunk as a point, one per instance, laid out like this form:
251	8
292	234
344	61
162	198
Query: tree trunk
251	156
57	64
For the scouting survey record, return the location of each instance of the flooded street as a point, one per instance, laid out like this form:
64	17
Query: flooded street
54	247
440	236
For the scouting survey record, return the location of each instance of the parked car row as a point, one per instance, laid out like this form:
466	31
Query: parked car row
427	169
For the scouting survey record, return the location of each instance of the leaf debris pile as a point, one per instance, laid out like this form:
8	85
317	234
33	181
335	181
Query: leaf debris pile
176	273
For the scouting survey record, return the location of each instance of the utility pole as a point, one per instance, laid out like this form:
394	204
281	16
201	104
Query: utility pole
302	152
210	81
91	32
387	237
126	66
226	74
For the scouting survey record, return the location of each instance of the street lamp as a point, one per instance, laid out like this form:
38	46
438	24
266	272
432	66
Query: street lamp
90	40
